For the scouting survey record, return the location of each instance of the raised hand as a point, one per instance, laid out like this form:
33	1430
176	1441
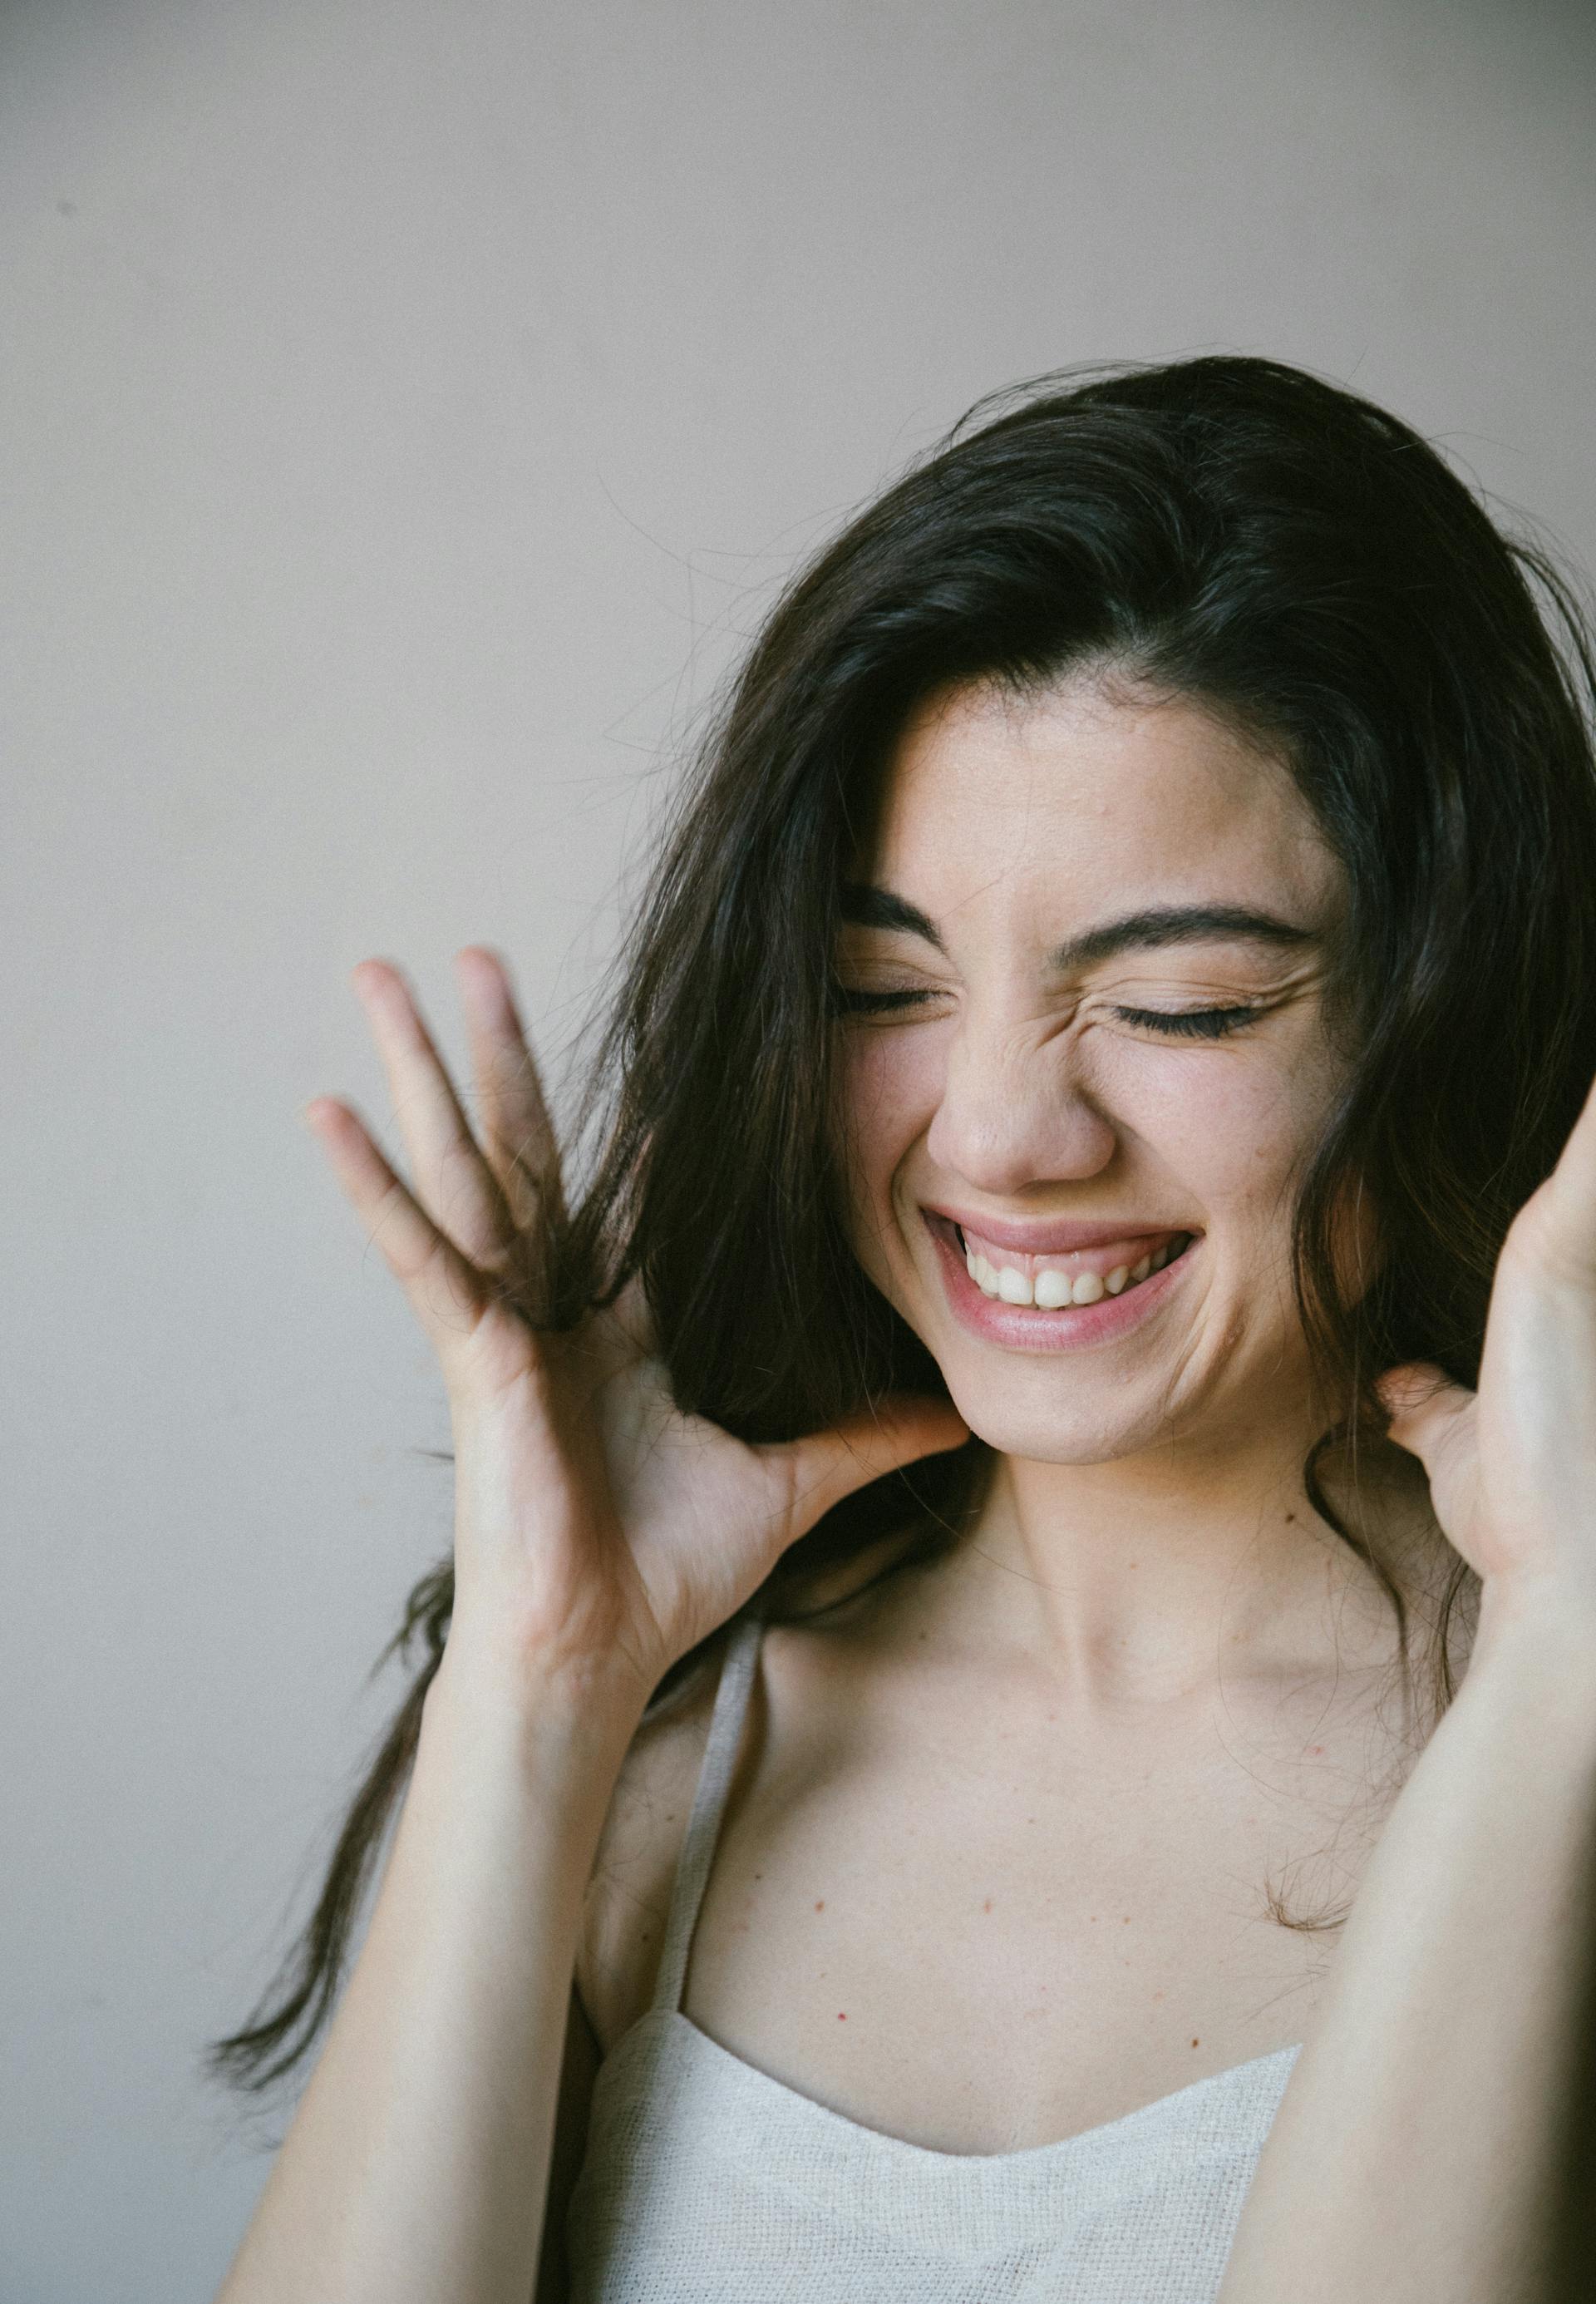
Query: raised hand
1512	1468
598	1533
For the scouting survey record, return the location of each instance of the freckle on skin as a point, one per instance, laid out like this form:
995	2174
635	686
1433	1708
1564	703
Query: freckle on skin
987	1906
820	1907
1195	2044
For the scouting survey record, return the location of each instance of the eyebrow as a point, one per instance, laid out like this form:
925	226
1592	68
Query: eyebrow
878	908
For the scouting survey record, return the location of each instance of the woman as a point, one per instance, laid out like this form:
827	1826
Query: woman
964	1536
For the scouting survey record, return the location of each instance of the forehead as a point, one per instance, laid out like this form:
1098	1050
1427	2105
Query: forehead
1091	791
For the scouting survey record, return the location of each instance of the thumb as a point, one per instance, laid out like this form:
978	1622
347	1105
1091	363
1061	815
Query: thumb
1425	1408
824	1467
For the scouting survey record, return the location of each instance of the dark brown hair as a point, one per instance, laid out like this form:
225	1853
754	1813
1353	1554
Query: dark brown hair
1230	530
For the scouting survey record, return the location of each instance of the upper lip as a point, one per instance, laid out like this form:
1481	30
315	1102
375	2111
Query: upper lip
1051	1235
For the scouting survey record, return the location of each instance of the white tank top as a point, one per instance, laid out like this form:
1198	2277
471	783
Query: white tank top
706	2181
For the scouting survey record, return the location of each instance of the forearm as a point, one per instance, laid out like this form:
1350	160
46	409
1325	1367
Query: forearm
415	2166
1423	2139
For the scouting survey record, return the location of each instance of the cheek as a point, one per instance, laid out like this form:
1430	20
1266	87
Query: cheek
887	1088
1231	1132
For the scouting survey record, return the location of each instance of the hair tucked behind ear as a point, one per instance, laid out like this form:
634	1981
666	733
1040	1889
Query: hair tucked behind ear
1232	531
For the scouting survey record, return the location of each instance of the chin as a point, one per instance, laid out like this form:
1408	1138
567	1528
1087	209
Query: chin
1056	1432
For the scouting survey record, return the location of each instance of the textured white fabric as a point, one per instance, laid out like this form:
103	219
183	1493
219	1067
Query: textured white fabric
706	2181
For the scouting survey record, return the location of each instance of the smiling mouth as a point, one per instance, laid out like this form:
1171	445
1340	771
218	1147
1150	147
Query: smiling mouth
1050	1281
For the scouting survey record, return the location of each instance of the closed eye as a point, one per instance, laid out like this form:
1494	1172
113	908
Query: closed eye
1192	1023
1182	1023
858	1000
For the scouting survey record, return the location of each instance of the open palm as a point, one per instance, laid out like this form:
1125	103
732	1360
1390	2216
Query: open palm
598	1531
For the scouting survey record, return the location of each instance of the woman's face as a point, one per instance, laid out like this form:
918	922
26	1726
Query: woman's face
1085	1054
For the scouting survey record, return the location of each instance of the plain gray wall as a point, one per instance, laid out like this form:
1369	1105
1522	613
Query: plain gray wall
405	409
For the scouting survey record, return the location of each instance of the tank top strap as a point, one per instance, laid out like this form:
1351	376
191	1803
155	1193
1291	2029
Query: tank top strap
709	1804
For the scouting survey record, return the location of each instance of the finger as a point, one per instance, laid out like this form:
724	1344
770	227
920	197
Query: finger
1424	1406
442	1288
517	1135
452	1182
827	1466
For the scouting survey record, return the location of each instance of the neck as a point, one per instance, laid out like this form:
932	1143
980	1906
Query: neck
1152	1579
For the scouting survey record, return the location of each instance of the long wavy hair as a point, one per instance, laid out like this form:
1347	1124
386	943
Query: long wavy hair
1227	529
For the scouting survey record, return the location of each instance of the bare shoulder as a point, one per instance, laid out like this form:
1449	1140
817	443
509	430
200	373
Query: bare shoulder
629	1894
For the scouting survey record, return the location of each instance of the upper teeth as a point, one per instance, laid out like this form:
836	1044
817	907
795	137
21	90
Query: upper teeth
1050	1289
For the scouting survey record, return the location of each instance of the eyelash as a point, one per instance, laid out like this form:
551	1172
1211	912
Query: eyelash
1189	1023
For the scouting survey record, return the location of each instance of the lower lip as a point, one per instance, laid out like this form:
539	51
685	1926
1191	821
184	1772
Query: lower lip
1073	1327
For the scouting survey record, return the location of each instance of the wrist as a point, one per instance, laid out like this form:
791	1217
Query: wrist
555	1718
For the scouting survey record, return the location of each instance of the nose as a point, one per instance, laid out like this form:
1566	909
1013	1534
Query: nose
1012	1115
